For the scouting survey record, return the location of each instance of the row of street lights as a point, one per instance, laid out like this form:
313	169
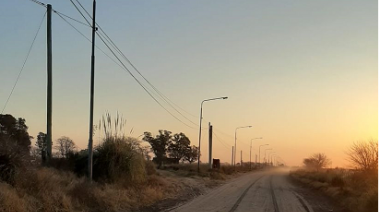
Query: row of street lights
234	158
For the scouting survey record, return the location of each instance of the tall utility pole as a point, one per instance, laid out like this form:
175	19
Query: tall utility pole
92	92
210	144
241	158
232	156
250	156
49	85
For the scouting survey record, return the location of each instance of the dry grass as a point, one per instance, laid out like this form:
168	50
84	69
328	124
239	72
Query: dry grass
46	189
355	190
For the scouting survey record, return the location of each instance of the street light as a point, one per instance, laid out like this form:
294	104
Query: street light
250	153
259	152
266	155
235	141
200	125
271	157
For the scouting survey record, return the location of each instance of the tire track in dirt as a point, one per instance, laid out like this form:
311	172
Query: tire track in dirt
242	195
276	209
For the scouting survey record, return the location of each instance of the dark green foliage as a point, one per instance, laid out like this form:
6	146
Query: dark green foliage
159	144
14	146
179	146
41	145
191	154
15	130
118	159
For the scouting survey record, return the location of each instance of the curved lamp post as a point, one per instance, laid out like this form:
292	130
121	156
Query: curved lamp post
250	153
235	141
259	152
200	126
266	155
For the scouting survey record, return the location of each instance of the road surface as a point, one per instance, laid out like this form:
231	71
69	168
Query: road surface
257	191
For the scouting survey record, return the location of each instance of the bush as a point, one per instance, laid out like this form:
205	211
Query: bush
150	168
337	181
11	157
117	159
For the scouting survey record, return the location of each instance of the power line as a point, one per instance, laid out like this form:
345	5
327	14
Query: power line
101	38
110	58
40	3
162	96
55	11
26	59
106	37
221	141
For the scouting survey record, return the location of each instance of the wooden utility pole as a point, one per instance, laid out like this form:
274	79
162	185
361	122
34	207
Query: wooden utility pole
210	145
241	157
232	156
49	87
90	140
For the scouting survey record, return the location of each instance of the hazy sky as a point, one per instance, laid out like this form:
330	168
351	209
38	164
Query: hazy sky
303	73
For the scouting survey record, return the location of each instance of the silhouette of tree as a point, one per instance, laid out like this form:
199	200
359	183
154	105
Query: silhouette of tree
159	144
316	161
364	155
65	146
41	145
179	146
191	154
15	130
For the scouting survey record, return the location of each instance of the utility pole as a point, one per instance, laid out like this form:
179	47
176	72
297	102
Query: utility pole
210	144
90	141
250	158
49	86
241	157
232	157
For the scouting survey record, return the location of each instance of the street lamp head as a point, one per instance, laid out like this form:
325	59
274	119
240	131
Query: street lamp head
225	97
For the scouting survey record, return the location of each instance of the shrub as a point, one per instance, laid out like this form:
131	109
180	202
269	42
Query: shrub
11	157
117	159
337	181
150	168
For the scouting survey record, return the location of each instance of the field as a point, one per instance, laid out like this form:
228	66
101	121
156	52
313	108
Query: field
354	190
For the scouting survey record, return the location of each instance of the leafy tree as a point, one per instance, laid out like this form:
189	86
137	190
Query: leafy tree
364	155
316	161
179	146
15	130
65	146
191	154
159	144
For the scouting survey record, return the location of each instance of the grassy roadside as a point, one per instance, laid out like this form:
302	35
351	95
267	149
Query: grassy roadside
354	190
49	189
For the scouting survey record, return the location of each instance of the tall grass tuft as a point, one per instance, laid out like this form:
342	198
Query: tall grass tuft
118	158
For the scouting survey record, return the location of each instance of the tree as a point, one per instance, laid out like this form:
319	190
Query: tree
179	146
41	144
15	130
364	155
159	144
316	161
191	154
65	146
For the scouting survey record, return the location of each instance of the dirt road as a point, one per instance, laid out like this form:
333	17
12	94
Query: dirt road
257	191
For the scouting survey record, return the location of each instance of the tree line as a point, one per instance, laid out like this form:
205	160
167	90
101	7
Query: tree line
169	148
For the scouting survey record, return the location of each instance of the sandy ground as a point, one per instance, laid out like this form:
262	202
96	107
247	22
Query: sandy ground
256	191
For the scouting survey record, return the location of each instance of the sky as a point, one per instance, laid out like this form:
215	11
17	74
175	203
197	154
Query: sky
303	74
